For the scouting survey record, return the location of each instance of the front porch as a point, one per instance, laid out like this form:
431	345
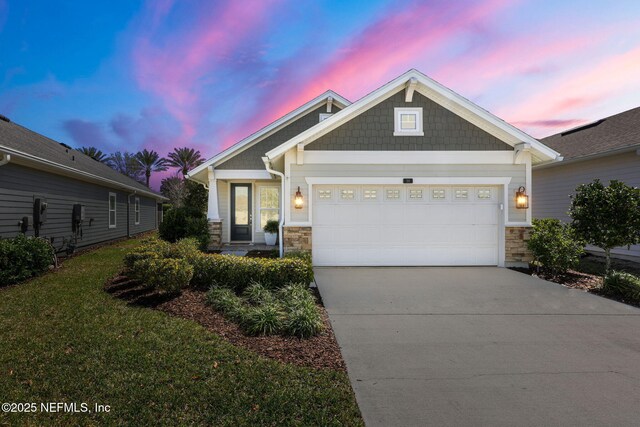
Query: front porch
239	205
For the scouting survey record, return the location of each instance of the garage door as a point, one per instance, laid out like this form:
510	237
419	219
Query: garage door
359	225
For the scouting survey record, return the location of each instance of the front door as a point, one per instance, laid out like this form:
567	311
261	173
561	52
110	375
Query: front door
241	212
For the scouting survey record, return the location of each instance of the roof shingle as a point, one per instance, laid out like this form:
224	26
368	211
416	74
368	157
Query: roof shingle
612	133
19	138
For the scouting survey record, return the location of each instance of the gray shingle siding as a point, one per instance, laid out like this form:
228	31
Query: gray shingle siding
373	130
251	158
20	185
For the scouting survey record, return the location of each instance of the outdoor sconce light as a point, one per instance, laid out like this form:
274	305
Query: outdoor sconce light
298	202
522	200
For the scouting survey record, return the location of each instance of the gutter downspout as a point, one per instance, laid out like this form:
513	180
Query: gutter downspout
129	212
6	158
267	165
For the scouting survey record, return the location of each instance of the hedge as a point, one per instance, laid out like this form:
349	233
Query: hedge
229	271
166	275
23	257
237	273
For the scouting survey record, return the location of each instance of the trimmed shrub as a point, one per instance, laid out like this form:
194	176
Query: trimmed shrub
166	275
150	248
23	257
237	273
555	246
179	223
303	255
272	226
266	319
621	284
187	249
257	294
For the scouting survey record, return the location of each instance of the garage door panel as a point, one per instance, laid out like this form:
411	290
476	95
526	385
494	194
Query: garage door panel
400	230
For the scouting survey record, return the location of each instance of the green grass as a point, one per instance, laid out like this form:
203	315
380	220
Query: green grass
63	339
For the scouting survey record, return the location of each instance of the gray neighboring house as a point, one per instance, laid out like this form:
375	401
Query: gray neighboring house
53	191
608	149
410	174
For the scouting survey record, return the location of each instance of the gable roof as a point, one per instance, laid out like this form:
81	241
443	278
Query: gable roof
270	129
29	146
612	134
436	92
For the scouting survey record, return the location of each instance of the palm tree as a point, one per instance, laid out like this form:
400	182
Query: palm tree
150	161
94	153
127	164
185	159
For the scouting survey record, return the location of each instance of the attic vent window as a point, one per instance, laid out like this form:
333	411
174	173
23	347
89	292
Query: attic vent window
325	116
583	127
408	122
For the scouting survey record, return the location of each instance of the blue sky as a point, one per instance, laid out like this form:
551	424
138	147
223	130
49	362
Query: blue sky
124	75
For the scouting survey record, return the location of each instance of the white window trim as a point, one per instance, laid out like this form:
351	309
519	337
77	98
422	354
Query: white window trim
259	205
136	211
398	131
115	210
325	116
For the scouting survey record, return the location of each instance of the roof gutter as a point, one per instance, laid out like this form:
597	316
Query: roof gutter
112	183
267	165
6	158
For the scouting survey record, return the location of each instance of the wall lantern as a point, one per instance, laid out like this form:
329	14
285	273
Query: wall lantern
298	202
522	200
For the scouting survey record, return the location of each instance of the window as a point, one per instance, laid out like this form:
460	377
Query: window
484	194
269	205
438	194
415	194
347	194
393	194
136	208
370	194
324	194
112	210
408	121
462	194
325	116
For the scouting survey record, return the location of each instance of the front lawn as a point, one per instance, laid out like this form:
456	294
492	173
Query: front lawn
63	339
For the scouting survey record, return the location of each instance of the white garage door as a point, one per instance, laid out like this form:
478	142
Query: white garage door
359	225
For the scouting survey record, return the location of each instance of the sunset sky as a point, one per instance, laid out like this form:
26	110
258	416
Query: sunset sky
124	75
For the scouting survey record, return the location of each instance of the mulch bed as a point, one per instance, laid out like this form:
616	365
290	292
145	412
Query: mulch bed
572	279
320	352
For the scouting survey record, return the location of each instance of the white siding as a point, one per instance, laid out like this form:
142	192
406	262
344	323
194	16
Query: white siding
554	185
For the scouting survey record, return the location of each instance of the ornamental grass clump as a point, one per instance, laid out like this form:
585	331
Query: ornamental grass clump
265	319
621	284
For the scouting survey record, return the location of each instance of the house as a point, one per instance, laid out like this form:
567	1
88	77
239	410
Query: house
50	190
608	149
410	174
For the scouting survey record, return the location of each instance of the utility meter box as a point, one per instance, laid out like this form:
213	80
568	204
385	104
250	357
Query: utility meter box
39	211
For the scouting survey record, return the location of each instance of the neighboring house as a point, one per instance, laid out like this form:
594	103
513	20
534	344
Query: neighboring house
50	190
608	149
411	174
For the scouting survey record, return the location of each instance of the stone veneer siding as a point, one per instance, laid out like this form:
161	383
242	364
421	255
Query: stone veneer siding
297	239
516	251
215	234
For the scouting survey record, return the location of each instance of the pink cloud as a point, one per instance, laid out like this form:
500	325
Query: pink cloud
384	49
176	70
579	90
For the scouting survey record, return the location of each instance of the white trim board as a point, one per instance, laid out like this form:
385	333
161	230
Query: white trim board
242	174
409	157
437	93
416	180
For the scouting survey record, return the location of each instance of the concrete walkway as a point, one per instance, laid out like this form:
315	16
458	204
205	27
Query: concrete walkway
482	346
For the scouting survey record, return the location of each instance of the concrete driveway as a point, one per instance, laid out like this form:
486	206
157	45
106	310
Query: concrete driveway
482	346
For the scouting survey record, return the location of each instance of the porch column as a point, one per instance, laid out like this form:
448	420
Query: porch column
213	216
212	206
